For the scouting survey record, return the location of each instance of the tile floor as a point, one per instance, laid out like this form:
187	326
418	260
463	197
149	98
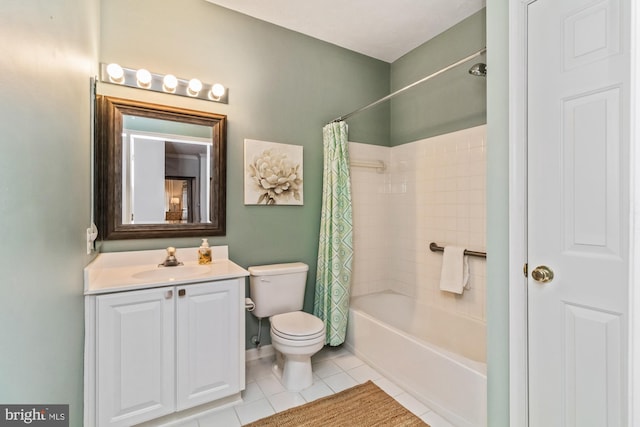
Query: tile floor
334	370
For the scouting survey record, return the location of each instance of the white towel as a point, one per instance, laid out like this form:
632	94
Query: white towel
455	270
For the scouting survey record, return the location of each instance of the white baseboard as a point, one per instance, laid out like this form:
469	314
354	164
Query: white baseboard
259	353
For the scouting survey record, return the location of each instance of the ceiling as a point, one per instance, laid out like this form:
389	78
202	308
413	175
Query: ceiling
382	29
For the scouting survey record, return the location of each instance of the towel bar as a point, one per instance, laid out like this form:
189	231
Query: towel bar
435	248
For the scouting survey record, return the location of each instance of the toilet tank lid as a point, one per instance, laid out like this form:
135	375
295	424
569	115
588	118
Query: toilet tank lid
273	269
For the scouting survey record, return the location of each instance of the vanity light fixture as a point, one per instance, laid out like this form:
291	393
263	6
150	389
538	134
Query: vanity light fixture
194	87
217	91
144	79
115	73
169	83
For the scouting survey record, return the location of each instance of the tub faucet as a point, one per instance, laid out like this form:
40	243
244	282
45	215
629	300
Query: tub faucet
171	260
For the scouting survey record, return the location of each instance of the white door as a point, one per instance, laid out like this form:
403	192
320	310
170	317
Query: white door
147	169
578	146
135	356
208	334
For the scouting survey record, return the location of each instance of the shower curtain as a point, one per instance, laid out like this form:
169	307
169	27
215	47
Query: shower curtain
335	250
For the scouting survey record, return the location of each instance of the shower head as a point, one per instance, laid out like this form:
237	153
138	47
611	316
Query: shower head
478	70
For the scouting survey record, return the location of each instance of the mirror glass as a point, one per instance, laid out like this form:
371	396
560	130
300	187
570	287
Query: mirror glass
166	168
162	170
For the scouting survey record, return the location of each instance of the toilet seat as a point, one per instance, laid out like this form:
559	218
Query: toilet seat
297	326
295	338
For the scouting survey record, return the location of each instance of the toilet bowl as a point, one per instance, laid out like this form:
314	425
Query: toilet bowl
296	336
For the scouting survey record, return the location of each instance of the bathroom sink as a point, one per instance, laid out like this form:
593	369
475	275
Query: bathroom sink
172	273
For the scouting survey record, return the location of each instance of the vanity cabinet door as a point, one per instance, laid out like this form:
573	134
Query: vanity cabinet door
135	356
208	342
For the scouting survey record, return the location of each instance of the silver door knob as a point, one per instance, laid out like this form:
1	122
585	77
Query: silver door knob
542	274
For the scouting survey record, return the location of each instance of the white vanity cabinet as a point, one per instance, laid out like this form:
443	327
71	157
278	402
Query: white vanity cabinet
207	340
153	350
135	356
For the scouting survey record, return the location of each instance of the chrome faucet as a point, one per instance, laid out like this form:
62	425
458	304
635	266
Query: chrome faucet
171	260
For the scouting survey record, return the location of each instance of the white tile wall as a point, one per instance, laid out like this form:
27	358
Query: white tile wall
433	190
370	191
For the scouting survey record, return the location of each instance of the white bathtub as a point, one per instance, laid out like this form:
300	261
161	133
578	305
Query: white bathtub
436	356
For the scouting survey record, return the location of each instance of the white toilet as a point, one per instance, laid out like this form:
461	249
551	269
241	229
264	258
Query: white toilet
278	293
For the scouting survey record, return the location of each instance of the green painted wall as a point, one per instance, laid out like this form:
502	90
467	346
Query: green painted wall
49	52
449	102
283	87
498	213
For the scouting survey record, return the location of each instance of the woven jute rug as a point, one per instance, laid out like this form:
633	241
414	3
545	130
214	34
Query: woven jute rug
364	405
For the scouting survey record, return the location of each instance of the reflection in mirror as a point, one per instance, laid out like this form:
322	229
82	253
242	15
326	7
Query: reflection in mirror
163	170
166	171
179	208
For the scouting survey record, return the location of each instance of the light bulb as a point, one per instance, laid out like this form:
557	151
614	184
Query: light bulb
195	86
217	90
170	83
115	72
144	77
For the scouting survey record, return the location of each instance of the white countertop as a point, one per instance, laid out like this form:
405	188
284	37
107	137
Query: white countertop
125	271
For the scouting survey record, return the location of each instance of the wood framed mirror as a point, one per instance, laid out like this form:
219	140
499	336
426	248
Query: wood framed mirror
160	170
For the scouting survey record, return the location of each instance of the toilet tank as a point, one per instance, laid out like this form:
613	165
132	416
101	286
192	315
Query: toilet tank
277	288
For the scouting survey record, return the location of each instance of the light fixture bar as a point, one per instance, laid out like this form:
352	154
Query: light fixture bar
114	74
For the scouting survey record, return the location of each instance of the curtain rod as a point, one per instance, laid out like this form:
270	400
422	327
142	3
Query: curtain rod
399	91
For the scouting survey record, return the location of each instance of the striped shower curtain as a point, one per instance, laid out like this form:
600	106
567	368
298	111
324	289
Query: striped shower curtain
335	250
